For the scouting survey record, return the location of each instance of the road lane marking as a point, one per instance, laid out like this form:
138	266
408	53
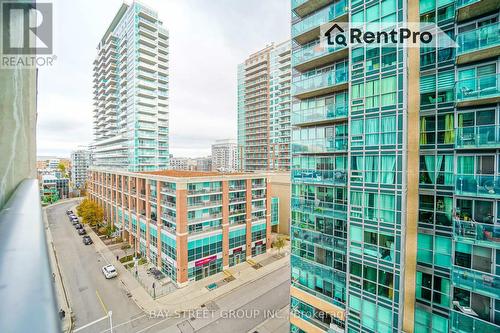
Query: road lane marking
124	323
104	308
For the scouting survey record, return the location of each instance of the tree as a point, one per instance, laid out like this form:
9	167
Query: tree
279	243
90	212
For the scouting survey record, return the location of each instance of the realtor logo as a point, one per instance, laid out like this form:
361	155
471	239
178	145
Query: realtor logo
26	28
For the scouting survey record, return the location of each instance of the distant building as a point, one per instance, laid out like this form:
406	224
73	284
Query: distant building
224	155
203	163
53	188
264	109
80	162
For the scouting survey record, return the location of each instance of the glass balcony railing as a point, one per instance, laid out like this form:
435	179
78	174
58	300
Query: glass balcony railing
319	176
311	52
487	86
478	185
318	114
336	210
296	3
462	323
487	136
477	233
463	3
476	281
478	39
323	16
319	81
319	146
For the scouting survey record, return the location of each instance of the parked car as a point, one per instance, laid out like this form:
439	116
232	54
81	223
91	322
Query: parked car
87	240
75	222
78	226
109	271
82	232
69	212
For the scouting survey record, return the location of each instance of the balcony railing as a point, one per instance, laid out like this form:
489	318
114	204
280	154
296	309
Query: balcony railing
204	190
323	16
319	146
478	137
462	323
201	204
477	233
478	39
476	281
207	217
27	293
319	176
319	114
478	185
312	52
319	81
474	89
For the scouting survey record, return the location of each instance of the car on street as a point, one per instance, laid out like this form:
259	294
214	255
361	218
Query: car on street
82	232
109	271
87	240
78	226
69	212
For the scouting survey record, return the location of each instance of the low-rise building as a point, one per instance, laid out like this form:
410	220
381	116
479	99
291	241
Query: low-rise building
189	224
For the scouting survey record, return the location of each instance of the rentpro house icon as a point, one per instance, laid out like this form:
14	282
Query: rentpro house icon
34	36
335	35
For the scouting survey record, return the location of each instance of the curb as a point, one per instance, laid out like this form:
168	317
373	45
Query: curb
55	260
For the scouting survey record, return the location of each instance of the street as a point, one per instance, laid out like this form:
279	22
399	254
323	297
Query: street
91	296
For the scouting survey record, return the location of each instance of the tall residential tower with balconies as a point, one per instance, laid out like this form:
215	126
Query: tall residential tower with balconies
395	172
131	92
264	109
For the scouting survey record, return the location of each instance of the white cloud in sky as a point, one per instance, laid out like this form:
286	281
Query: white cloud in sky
208	39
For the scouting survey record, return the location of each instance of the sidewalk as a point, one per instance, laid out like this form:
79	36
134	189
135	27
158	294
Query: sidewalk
195	294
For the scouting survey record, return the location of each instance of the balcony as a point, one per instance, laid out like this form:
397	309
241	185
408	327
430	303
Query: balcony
308	28
479	44
467	9
462	323
320	84
478	90
476	281
27	287
478	137
206	190
313	56
312	176
487	186
319	115
305	7
320	146
477	233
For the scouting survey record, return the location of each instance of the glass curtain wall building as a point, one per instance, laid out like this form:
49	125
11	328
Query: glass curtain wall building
395	226
354	167
131	92
458	258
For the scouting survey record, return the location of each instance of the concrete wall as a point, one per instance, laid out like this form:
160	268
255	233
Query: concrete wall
281	188
17	128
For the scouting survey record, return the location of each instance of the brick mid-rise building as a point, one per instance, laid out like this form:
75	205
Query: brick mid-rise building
190	224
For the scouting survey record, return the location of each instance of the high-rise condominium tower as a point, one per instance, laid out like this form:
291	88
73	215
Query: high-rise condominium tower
264	109
395	174
80	163
224	154
131	92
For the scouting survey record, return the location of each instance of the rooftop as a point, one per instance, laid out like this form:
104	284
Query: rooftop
190	174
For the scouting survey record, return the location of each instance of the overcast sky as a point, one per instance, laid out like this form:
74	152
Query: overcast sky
208	39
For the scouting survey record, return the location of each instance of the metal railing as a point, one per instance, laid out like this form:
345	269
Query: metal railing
28	297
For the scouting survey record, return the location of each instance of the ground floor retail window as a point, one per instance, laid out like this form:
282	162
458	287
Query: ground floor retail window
206	270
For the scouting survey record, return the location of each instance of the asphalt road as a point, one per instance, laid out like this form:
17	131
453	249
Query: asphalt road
92	296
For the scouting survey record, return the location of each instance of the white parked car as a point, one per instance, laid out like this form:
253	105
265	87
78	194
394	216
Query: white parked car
109	271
